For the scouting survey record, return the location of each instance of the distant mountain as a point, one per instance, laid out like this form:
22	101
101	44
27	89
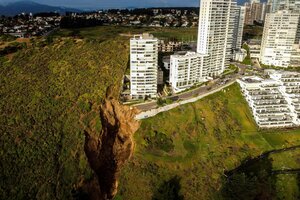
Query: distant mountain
15	8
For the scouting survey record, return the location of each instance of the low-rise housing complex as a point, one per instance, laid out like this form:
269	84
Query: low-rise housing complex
254	48
290	88
275	101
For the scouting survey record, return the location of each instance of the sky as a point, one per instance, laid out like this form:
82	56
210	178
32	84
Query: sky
90	4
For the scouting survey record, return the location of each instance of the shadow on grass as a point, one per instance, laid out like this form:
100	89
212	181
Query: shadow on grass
169	190
255	178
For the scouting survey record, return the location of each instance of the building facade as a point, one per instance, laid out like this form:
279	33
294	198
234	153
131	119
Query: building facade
143	66
255	12
254	48
280	41
290	88
276	5
239	27
215	34
185	70
275	102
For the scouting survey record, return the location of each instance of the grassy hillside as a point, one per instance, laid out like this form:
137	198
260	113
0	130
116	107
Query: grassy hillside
109	32
47	86
44	90
196	143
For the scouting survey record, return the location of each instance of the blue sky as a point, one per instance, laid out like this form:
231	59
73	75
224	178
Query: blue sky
117	3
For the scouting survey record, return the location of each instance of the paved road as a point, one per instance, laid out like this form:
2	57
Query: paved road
215	84
154	112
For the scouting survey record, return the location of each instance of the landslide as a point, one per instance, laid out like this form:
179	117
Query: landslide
108	150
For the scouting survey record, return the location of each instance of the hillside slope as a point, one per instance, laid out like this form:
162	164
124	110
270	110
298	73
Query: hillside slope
186	151
44	93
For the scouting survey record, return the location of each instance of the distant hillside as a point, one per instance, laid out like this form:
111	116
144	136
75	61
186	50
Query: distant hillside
15	8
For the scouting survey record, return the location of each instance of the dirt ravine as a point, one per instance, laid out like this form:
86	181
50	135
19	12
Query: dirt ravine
108	151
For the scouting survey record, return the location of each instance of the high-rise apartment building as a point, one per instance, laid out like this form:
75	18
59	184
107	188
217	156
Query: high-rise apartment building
276	5
220	33
280	42
239	27
255	12
215	34
143	66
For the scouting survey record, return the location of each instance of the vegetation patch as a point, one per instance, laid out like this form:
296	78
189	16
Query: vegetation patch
211	136
160	141
247	60
45	90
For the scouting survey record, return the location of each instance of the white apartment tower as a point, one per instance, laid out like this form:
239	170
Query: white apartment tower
280	42
143	66
215	34
239	27
276	5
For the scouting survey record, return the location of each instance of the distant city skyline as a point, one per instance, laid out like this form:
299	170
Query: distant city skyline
96	4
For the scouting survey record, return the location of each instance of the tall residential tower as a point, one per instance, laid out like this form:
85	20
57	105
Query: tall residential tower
277	5
215	34
239	27
143	66
280	42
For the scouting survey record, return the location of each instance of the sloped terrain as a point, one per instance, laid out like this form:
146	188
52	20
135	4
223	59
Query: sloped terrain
44	91
189	150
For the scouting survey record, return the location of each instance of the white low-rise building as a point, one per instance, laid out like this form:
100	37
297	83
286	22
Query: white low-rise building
254	48
290	88
240	55
185	70
275	102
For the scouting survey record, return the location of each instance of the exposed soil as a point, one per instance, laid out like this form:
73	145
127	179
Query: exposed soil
107	151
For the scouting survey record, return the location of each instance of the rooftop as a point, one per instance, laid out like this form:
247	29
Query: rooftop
143	36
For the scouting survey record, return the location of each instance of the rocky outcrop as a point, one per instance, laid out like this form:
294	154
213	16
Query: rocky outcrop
108	150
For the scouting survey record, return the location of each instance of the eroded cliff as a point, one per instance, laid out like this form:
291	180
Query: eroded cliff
108	150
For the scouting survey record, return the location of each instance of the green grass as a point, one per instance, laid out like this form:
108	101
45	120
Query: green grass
247	60
287	187
281	68
45	90
109	32
6	38
253	32
209	136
